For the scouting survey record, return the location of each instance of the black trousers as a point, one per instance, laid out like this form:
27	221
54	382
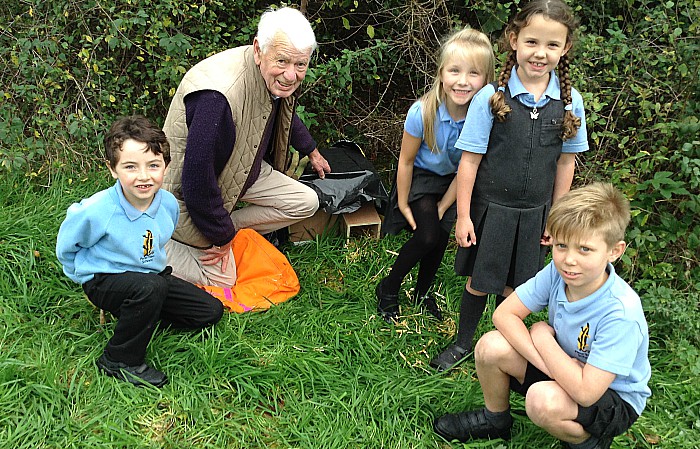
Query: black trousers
141	300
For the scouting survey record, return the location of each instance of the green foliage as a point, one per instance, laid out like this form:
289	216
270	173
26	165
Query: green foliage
70	68
674	315
641	91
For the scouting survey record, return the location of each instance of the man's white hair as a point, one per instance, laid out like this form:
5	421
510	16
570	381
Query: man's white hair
290	22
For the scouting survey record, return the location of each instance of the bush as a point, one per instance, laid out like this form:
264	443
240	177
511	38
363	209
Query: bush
70	68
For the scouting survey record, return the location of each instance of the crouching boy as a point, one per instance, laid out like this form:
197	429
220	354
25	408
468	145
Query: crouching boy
584	372
113	245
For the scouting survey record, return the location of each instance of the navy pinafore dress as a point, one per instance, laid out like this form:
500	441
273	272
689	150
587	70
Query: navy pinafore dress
512	196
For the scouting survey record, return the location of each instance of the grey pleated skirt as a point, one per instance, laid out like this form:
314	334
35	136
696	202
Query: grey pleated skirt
508	250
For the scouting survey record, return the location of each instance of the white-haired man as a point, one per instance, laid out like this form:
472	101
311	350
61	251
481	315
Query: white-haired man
230	125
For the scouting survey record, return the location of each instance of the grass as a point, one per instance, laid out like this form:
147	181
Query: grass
319	371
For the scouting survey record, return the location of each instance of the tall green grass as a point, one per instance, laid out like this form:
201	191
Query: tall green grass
319	371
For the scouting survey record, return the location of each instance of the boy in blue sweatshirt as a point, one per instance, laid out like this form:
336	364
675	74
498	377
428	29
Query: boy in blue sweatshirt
113	245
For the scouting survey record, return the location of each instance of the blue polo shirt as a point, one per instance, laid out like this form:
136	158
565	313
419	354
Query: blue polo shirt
606	329
447	131
106	234
479	119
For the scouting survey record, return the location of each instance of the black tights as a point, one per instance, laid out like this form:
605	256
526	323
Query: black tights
427	245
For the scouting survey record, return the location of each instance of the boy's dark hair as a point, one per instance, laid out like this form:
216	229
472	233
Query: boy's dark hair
597	208
560	12
139	128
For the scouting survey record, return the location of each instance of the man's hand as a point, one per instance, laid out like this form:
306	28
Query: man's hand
319	163
217	254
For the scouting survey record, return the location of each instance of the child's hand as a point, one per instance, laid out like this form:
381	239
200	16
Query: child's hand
408	215
464	232
217	254
546	239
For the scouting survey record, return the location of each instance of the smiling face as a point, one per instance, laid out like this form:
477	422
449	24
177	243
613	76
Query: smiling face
461	80
539	46
582	264
140	173
282	66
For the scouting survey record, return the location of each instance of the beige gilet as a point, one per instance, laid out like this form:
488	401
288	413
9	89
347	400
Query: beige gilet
234	74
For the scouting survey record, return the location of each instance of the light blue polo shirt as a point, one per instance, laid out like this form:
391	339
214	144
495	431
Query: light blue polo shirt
447	131
479	121
106	234
606	329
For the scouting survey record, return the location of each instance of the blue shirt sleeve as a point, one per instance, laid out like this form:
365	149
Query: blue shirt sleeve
578	143
477	126
414	121
614	347
536	293
79	230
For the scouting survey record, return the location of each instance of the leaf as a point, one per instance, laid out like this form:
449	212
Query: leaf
346	23
370	31
652	438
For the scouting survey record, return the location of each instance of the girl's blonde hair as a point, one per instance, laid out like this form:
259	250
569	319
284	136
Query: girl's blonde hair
468	44
560	12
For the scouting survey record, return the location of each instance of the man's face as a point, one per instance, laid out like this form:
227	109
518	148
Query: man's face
282	65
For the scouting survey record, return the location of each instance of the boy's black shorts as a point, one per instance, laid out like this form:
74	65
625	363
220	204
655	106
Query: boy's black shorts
609	416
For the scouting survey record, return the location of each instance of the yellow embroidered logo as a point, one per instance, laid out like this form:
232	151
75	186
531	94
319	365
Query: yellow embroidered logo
583	337
148	244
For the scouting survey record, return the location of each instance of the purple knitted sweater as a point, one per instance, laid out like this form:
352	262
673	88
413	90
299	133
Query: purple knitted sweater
210	138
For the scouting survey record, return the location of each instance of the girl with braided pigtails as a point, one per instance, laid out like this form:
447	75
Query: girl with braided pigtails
518	157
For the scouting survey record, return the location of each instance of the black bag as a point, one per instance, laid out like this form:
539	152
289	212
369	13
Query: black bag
352	181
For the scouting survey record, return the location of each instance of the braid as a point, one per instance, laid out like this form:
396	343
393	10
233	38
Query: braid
571	122
499	107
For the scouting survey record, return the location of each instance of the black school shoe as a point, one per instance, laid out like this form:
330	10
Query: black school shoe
387	305
427	302
448	358
139	375
469	425
603	443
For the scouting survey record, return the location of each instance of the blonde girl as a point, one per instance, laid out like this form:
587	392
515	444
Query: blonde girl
425	190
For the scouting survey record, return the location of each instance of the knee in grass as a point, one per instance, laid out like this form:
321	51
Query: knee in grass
491	348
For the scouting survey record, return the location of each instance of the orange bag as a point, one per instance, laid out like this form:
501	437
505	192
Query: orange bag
265	276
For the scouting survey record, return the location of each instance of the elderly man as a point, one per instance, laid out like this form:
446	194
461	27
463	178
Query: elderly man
230	125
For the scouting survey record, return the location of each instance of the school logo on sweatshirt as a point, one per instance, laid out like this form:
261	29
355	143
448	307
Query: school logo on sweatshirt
147	247
582	346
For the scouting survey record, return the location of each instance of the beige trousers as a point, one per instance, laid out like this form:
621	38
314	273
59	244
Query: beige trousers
274	202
